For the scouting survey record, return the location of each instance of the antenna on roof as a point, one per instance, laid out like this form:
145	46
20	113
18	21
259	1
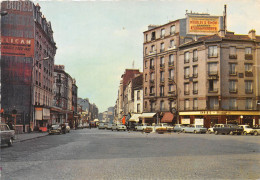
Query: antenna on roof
225	18
133	64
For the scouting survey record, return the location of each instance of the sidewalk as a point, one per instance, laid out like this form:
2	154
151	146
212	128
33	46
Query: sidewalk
28	136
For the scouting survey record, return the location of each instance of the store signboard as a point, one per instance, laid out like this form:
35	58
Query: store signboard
203	25
38	113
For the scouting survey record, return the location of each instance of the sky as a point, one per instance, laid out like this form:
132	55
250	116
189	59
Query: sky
98	40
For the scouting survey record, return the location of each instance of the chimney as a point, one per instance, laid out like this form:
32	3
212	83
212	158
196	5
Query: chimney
251	34
221	32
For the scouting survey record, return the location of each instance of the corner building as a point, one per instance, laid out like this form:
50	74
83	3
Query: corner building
160	59
218	79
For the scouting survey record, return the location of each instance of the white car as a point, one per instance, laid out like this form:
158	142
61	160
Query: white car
247	129
141	127
109	126
210	130
118	127
164	125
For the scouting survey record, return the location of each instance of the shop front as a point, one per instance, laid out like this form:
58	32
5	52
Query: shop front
42	118
148	118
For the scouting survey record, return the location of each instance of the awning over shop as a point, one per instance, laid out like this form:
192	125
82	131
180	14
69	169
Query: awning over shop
147	115
96	120
134	118
167	117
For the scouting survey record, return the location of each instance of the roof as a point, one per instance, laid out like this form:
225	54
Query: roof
147	115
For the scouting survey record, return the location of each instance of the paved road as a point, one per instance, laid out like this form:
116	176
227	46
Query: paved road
103	154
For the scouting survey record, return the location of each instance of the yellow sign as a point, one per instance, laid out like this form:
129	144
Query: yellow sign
252	113
202	25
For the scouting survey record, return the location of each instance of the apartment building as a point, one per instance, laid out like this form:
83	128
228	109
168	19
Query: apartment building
218	79
160	58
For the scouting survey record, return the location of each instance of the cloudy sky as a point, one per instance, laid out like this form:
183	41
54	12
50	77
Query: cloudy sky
98	40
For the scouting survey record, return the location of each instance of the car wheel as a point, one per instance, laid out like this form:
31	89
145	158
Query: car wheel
216	132
245	133
231	133
183	131
117	129
112	130
195	132
255	133
10	143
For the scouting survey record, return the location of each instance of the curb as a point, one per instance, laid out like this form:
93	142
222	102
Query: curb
16	141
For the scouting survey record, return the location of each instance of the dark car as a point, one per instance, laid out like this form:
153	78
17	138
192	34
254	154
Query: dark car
55	129
7	135
228	129
131	126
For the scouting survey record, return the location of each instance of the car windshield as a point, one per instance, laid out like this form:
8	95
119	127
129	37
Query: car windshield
247	126
55	126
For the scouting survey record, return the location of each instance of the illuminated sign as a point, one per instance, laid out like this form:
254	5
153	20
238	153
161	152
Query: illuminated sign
17	46
203	25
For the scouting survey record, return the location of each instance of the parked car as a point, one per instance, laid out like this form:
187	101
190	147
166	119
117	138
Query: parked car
67	127
256	129
55	129
7	135
178	127
118	127
85	125
194	128
131	126
228	129
210	130
247	129
141	127
164	125
109	126
101	126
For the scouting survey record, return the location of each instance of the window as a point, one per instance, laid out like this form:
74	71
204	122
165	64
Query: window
162	62
213	103
145	64
153	36
186	72
152	76
213	86
138	95
186	89
162	76
162	106
170	59
146	37
195	71
213	51
232	50
186	57
195	103
145	90
161	90
162	47
232	86
249	86
172	29
186	104
151	89
152	48
195	87
145	51
212	68
232	103
152	106
138	108
248	67
172	44
171	74
171	88
145	104
249	103
232	69
248	50
145	77
162	32
195	55
151	63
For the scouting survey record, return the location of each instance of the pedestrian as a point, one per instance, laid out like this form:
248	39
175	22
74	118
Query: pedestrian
89	125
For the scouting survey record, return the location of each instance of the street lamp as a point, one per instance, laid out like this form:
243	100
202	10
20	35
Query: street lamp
32	92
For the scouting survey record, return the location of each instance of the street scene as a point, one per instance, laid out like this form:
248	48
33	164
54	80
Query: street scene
130	90
105	154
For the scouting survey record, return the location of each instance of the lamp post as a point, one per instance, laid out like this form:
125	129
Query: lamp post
32	119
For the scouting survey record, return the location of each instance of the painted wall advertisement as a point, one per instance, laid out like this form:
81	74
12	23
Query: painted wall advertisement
17	46
203	25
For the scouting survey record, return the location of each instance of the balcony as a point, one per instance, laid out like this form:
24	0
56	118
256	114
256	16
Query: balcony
151	81
171	93
213	90
212	73
152	67
161	81
249	91
161	66
186	76
195	59
195	75
152	52
171	80
232	73
233	107
152	94
248	73
162	50
232	56
172	47
152	38
161	94
186	92
195	91
248	57
162	35
171	63
234	90
186	61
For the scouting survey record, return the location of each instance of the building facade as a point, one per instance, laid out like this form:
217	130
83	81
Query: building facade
27	64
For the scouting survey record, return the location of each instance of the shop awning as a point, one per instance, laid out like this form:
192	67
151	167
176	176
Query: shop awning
167	117
134	118
147	115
